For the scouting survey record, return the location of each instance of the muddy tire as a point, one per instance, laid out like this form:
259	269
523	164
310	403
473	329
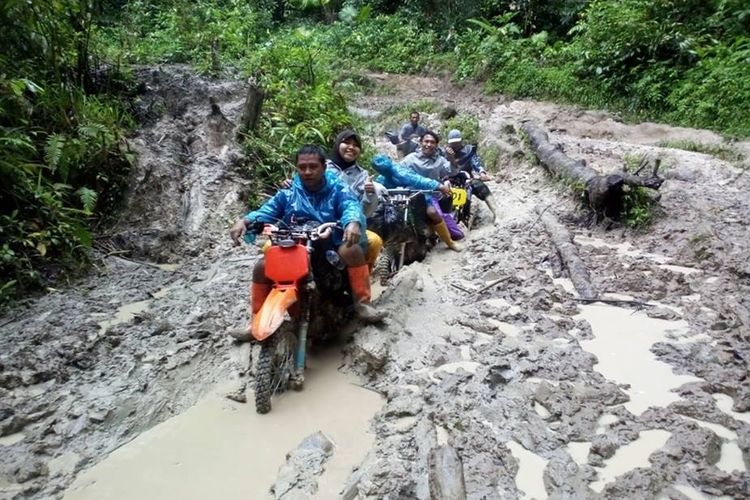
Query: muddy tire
275	367
263	379
383	268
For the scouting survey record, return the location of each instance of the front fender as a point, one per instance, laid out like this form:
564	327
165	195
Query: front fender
271	315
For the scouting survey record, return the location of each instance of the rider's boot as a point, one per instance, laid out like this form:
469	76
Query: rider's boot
490	201
258	294
374	245
445	235
359	279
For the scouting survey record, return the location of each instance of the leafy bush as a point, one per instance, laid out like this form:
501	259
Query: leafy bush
203	33
395	44
303	104
655	60
61	159
638	208
61	165
716	92
467	124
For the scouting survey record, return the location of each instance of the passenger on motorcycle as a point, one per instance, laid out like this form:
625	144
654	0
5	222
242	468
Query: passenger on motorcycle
319	196
428	162
347	149
410	134
393	175
466	158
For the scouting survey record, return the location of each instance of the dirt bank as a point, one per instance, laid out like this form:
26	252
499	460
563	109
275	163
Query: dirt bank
540	395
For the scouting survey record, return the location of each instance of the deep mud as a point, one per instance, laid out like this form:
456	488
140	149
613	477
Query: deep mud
540	395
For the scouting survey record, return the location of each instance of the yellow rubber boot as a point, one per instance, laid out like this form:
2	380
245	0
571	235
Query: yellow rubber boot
374	245
359	279
445	235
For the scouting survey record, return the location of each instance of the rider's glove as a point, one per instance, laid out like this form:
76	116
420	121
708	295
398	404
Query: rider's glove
254	228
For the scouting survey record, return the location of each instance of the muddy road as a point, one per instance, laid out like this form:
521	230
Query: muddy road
114	387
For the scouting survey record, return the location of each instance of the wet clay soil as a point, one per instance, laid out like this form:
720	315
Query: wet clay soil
113	387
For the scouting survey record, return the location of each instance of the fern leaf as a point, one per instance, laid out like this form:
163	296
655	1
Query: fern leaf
53	150
88	199
93	130
492	30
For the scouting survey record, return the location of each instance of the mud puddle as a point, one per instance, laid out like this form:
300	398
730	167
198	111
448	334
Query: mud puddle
530	476
622	343
631	456
222	449
124	314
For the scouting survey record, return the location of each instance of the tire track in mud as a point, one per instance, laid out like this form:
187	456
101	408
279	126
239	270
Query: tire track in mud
502	375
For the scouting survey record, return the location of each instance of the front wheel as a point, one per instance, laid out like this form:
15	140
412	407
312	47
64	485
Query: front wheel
275	366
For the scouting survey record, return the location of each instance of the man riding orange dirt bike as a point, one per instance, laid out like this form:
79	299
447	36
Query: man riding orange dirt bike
315	197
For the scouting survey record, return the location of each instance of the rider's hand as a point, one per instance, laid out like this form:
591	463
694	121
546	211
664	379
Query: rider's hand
286	183
237	231
352	232
445	189
369	186
484	176
450	152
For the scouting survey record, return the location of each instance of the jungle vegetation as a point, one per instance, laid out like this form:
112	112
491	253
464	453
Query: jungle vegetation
66	88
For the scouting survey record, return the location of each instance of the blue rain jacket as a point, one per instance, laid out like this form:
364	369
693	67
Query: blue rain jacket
334	202
392	175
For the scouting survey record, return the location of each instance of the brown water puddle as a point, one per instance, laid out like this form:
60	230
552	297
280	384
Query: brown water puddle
222	449
622	344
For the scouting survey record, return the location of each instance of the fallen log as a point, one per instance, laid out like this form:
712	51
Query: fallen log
568	253
446	475
602	193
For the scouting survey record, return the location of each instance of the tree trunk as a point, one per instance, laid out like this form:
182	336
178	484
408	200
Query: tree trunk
603	193
568	253
252	109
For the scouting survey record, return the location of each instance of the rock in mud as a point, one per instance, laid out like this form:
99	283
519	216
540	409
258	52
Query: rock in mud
369	350
239	394
29	470
604	446
298	477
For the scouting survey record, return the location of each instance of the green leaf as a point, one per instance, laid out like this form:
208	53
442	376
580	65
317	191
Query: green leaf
53	150
83	235
88	199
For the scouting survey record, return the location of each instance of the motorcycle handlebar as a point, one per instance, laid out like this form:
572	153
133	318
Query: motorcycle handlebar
304	231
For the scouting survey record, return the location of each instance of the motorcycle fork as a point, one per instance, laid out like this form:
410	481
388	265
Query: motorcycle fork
304	325
304	321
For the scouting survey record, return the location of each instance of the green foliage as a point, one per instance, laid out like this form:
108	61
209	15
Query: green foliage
467	123
61	159
202	32
718	150
681	61
303	104
395	44
638	208
716	91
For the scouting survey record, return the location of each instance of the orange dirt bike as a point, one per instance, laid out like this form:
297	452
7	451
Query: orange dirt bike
309	297
401	220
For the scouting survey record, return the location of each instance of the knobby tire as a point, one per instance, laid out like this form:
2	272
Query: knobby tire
275	367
